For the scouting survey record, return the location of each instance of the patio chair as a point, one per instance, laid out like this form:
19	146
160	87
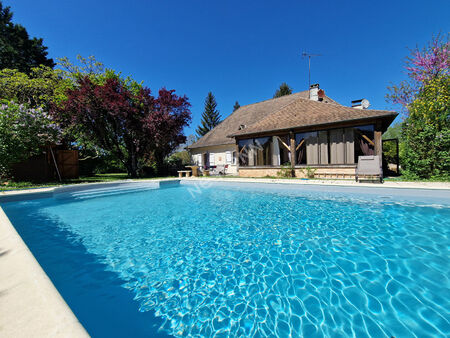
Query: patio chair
369	166
217	170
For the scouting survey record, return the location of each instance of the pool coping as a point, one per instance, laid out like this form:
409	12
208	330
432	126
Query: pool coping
32	306
343	183
34	192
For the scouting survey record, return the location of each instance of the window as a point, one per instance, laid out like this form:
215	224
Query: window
333	146
244	149
364	141
262	151
337	146
306	148
211	158
228	157
281	154
255	152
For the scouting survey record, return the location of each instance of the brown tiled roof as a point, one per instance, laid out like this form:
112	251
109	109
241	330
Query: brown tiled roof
248	115
304	113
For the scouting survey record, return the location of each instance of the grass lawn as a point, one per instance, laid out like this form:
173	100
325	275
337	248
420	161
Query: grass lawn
11	185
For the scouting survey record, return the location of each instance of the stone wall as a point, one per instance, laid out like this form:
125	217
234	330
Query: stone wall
254	172
320	172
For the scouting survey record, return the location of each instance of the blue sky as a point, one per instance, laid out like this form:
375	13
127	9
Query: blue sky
241	50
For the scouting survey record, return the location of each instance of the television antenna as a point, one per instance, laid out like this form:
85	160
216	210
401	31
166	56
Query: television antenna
309	56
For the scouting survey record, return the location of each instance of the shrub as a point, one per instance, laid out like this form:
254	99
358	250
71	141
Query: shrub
426	132
309	172
286	171
23	133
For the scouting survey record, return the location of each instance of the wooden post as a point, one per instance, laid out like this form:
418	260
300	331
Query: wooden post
237	157
292	146
397	158
378	140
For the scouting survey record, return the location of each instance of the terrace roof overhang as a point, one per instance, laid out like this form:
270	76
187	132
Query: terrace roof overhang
381	123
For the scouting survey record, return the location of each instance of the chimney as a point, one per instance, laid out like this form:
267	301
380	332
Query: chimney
314	92
321	94
361	104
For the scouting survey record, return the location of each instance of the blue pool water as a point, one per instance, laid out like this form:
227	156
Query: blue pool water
246	260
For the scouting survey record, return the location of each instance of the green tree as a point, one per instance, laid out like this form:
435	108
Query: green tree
41	87
23	131
394	131
424	98
210	117
283	90
236	106
426	132
17	49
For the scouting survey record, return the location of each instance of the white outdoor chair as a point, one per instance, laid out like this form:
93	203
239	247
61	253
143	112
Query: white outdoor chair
369	166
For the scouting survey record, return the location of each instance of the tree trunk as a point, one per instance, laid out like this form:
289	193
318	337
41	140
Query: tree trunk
160	168
132	164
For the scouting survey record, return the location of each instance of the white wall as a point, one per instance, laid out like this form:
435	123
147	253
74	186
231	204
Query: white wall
221	155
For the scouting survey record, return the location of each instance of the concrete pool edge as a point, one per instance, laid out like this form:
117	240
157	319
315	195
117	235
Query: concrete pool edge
341	183
17	195
30	304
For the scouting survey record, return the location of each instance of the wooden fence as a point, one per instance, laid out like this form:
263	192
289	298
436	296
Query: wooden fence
42	167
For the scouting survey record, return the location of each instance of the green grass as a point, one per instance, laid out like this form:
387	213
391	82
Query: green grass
12	185
405	179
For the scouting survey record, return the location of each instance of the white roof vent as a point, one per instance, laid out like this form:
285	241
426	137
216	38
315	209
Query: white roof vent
361	104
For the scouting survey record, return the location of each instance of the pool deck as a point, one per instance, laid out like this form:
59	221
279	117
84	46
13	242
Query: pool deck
30	305
344	183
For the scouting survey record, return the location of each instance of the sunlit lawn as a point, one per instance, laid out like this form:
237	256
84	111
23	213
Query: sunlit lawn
12	185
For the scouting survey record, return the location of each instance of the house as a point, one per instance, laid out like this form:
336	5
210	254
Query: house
303	130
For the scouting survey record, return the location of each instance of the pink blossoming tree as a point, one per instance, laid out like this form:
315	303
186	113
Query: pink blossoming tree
422	66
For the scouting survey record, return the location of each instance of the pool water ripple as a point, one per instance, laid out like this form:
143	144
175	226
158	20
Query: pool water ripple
238	262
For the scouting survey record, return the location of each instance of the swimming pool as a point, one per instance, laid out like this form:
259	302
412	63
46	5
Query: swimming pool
246	259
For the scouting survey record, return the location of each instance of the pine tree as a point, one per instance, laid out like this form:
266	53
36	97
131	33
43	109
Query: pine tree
17	49
210	117
236	106
283	90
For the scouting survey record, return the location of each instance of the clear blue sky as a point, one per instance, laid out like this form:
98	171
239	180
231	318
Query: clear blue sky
241	50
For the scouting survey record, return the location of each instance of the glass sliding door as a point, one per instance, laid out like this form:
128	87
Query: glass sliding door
307	148
337	146
323	147
244	147
333	146
262	152
364	141
349	145
280	150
